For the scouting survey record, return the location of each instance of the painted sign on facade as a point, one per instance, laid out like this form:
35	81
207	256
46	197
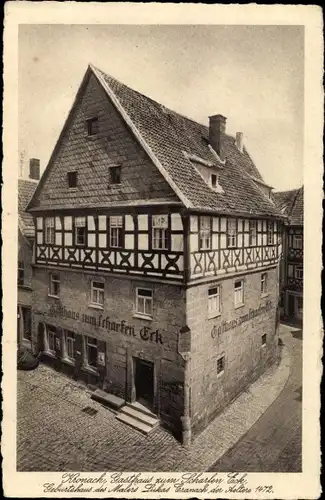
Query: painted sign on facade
230	325
106	323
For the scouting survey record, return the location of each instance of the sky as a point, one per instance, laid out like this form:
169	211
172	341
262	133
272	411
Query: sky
253	75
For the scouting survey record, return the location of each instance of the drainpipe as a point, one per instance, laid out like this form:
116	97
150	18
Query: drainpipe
186	419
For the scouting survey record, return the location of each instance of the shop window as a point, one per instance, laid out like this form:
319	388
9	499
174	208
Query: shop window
116	231
72	179
299	272
91	352
205	233
97	293
252	233
54	284
69	345
263	339
297	241
214	301
160	232
270	233
263	283
92	126
21	273
80	231
50	338
49	231
115	175
239	293
220	365
231	233
144	301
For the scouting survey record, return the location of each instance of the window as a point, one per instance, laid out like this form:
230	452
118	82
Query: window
297	241
54	284
239	292
252	233
80	230
27	318
264	339
49	231
116	232
21	273
299	272
160	232
144	301
50	339
205	233
214	301
91	351
97	293
220	365
231	233
290	271
69	341
270	233
72	179
214	180
92	126
115	175
263	283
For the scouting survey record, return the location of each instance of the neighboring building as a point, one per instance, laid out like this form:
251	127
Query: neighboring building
156	257
26	233
291	204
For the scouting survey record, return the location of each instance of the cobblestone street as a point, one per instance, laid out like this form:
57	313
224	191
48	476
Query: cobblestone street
56	434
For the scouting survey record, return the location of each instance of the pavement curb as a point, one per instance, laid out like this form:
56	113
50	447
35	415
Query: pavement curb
237	419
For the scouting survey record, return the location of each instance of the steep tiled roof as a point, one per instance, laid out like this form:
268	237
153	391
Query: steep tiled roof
167	136
26	190
291	203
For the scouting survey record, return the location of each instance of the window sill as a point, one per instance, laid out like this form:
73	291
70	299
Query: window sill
220	374
53	296
142	316
96	306
214	315
238	306
68	361
90	369
263	295
24	287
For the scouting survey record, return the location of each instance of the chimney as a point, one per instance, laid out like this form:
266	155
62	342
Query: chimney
217	126
34	169
240	141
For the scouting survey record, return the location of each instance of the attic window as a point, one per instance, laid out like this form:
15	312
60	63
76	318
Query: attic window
115	175
214	180
72	179
92	126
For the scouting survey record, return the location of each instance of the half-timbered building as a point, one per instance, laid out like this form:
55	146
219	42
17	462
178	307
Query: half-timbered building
26	233
291	203
156	257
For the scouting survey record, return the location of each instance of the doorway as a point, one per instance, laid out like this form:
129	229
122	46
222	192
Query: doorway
144	382
291	305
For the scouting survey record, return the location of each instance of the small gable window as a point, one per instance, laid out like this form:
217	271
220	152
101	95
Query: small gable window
214	180
115	175
72	179
92	126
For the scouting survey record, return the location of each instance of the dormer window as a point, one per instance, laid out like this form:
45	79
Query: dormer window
72	179
115	175
92	126
214	180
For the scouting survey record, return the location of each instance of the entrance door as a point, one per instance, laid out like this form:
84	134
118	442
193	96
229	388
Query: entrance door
291	305
299	307
144	382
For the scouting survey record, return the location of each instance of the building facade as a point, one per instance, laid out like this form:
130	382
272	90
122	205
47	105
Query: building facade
291	203
26	188
157	250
